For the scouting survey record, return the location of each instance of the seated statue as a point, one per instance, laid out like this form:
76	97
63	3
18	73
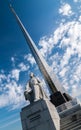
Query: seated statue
33	90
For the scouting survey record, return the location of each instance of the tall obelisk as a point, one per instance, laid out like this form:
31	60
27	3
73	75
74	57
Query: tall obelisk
49	76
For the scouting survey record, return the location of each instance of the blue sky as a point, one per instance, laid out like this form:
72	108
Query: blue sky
55	27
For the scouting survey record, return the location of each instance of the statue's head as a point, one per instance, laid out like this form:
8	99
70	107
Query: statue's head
31	74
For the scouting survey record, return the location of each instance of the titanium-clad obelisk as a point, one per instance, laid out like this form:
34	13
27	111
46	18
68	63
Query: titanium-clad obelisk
65	114
48	74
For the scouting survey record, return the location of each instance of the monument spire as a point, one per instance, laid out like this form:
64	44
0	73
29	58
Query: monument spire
45	69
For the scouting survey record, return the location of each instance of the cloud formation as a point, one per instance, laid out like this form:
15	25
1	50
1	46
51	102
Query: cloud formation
65	10
66	61
77	0
11	88
30	59
11	91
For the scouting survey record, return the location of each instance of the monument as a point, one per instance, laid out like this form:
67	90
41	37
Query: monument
57	91
41	114
62	112
34	90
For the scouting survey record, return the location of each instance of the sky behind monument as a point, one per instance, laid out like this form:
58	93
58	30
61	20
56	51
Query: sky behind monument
55	27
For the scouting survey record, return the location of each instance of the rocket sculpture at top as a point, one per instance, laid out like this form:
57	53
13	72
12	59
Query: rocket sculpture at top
58	96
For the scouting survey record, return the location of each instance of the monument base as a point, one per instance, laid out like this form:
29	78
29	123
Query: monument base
70	115
40	115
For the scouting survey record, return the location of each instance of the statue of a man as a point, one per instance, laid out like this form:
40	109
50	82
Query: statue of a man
33	90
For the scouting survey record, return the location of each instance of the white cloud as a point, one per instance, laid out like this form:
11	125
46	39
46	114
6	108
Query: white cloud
46	44
3	100
12	96
15	74
66	39
12	59
66	35
12	92
2	77
62	72
76	91
23	67
77	0
80	18
59	33
65	10
30	59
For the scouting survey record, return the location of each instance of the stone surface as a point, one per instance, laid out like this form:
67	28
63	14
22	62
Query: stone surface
41	115
70	118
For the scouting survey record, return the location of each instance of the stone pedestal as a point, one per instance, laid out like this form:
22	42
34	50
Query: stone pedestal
70	115
41	115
